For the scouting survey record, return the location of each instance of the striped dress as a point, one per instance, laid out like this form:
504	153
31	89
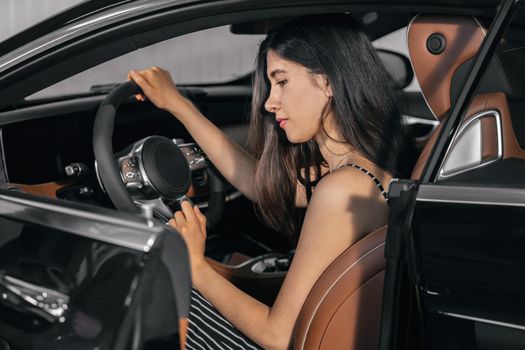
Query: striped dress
208	329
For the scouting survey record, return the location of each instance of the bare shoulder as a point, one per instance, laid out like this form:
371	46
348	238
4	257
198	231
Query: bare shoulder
351	182
344	207
352	194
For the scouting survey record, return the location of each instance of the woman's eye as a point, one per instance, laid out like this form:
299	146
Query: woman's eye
282	82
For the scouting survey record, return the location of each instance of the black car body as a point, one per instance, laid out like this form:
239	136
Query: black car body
77	274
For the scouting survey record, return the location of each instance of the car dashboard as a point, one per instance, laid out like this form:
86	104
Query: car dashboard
47	149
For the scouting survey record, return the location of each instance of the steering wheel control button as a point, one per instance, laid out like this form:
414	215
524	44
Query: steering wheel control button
166	166
436	43
130	170
195	156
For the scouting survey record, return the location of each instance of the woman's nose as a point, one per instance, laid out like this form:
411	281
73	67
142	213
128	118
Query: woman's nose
271	105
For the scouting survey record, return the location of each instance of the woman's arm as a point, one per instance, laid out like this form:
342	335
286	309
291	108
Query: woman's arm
342	208
234	163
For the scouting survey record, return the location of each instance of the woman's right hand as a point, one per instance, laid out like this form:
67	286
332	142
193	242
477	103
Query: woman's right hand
159	88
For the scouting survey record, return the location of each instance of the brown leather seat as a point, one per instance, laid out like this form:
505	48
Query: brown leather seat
435	72
343	310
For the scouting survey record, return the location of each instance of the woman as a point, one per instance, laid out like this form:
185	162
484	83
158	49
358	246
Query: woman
321	102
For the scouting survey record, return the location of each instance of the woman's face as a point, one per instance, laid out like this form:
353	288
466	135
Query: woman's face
297	98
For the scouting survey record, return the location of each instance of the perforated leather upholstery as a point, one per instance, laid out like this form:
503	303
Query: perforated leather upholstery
343	309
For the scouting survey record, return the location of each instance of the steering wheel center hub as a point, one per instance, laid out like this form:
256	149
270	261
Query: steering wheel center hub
165	166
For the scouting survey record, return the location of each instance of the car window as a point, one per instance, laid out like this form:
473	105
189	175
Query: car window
18	15
208	56
488	148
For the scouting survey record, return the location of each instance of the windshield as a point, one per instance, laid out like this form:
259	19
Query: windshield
208	56
22	14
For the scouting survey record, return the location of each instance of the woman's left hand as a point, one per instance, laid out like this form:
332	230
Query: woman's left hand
191	224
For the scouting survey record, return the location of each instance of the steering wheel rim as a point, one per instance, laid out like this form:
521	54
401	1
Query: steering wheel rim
103	149
109	171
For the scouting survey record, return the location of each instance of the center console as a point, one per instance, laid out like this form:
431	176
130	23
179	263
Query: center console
261	276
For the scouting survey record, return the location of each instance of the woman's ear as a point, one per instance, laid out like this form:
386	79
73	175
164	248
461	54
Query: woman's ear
328	91
324	84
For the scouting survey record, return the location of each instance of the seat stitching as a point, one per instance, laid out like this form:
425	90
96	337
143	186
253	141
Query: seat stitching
345	299
329	289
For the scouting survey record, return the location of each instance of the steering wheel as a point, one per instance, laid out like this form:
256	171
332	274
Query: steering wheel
153	173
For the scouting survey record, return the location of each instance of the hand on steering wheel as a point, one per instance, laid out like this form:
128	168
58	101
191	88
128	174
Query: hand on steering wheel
150	171
157	85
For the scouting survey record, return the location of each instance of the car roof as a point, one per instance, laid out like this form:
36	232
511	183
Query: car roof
69	15
91	7
86	35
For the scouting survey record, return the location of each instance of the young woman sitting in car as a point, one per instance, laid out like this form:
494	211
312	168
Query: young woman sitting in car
321	100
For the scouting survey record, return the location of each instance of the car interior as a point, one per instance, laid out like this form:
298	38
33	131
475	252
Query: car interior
46	147
58	129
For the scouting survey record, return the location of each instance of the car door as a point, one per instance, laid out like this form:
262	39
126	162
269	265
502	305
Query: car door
454	277
79	277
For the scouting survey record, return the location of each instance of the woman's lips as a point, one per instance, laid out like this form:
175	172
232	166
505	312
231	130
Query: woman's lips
282	122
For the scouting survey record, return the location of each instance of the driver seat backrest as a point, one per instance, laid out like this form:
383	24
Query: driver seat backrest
343	309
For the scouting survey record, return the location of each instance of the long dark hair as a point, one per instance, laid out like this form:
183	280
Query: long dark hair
364	105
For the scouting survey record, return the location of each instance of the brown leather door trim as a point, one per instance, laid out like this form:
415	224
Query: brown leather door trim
48	189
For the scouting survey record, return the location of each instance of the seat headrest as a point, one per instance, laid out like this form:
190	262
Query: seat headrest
505	73
438	45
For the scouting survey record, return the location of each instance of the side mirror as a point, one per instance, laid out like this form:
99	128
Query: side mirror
398	67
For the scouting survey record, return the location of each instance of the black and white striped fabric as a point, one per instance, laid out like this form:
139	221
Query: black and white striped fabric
376	181
208	329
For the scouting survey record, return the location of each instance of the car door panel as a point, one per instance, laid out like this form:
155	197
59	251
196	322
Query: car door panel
468	251
455	240
73	276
